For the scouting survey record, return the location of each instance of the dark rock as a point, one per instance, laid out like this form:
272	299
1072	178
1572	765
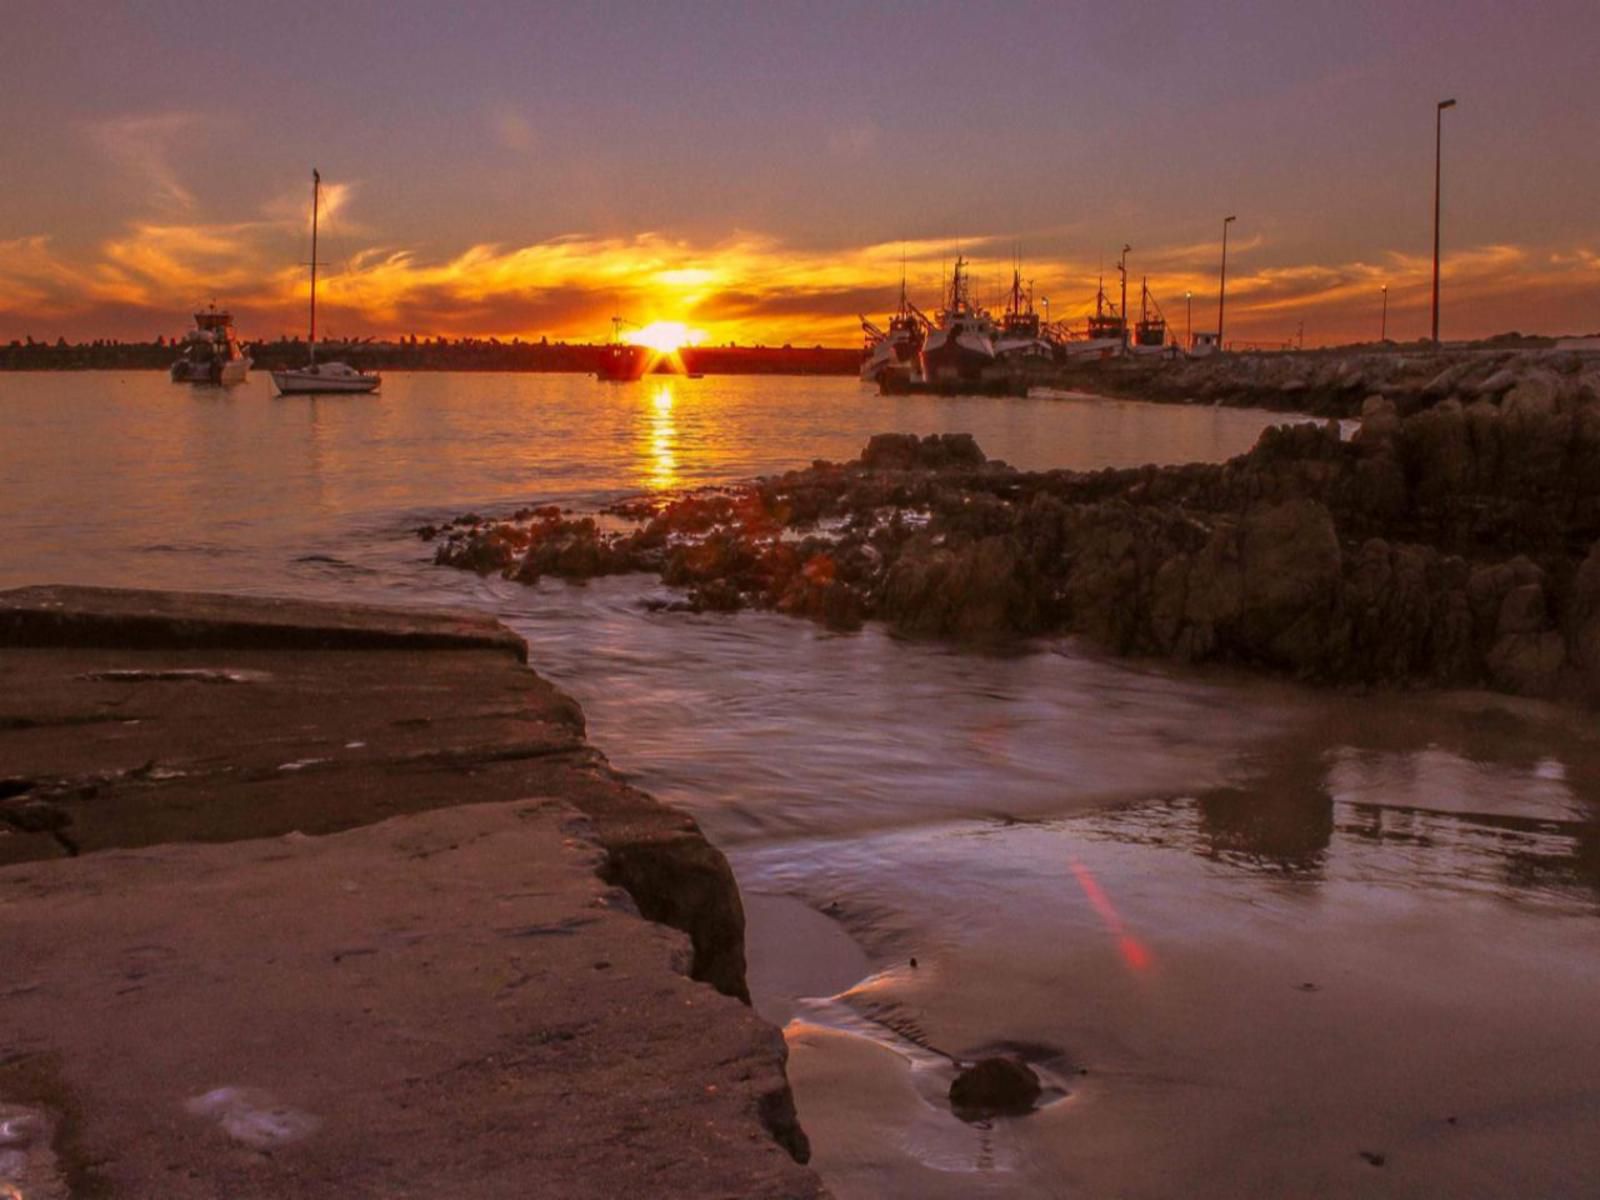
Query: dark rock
30	814
903	452
995	1085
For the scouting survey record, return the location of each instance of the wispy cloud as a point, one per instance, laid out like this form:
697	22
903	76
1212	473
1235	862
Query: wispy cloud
145	148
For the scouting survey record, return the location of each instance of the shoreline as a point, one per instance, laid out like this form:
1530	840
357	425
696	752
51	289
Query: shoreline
226	737
1453	541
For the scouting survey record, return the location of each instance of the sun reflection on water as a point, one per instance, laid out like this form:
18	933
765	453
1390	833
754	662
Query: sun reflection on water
662	432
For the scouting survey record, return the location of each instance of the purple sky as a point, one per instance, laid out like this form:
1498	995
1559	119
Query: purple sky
156	151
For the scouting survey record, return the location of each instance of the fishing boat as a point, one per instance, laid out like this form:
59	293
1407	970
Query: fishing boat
1150	333
321	378
960	346
211	351
1104	332
620	361
894	351
1022	340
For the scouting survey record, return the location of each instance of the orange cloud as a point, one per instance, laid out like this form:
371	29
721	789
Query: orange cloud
747	287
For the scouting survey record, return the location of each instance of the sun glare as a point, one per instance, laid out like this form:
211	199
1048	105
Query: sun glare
665	337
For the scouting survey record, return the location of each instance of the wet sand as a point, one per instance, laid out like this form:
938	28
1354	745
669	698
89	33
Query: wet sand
1366	971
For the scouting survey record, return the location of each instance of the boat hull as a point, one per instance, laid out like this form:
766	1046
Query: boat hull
305	383
960	356
622	364
218	373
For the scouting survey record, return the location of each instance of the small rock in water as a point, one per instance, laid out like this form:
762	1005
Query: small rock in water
1374	1157
913	962
995	1085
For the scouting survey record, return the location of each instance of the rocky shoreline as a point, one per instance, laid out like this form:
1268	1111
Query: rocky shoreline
331	900
1454	540
1323	383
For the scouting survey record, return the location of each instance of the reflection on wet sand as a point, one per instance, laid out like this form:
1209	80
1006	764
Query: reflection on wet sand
1375	943
1456	804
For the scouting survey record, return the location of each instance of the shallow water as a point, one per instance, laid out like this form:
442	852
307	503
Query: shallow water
1279	929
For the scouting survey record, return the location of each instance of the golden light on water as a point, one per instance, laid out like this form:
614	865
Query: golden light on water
662	433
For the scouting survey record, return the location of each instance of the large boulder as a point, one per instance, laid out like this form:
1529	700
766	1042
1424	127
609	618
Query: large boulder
976	590
1289	575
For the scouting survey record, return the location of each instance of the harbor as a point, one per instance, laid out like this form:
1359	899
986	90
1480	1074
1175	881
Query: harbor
847	603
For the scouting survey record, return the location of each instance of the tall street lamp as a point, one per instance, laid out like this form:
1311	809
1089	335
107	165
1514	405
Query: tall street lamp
1188	320
1383	335
1438	138
1222	287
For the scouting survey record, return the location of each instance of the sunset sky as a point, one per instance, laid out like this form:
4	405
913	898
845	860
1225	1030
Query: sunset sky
757	170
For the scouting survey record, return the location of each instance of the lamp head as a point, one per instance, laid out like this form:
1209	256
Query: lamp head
1444	104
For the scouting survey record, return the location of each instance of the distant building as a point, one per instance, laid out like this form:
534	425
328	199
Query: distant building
1204	344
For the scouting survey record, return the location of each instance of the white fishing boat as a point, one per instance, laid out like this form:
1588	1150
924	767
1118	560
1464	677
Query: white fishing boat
960	346
211	351
315	377
894	351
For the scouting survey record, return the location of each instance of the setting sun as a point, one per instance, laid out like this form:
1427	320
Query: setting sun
667	336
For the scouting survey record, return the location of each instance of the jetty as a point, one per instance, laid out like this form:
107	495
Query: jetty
332	900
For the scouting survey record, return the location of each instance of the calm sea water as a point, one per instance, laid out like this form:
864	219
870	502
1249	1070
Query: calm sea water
1258	939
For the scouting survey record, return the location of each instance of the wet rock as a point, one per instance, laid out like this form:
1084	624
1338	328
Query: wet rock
1442	546
32	814
999	1085
903	452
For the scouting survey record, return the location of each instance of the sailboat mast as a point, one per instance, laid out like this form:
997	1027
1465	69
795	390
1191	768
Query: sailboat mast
316	196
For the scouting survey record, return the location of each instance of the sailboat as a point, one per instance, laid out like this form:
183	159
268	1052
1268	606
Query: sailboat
315	377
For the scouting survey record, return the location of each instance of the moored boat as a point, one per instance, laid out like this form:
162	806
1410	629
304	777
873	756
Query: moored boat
960	346
329	377
1150	334
211	351
894	351
1021	341
1105	332
620	361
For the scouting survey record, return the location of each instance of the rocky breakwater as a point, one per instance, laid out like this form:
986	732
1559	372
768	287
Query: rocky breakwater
328	900
1458	545
1328	383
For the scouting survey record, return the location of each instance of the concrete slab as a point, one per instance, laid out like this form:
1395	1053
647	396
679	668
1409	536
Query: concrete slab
175	756
451	1003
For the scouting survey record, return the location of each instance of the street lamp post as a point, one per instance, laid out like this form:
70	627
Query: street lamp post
1188	320
1222	286
1383	329
1438	146
1045	300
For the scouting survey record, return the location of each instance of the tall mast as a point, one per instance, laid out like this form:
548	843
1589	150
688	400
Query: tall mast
316	195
